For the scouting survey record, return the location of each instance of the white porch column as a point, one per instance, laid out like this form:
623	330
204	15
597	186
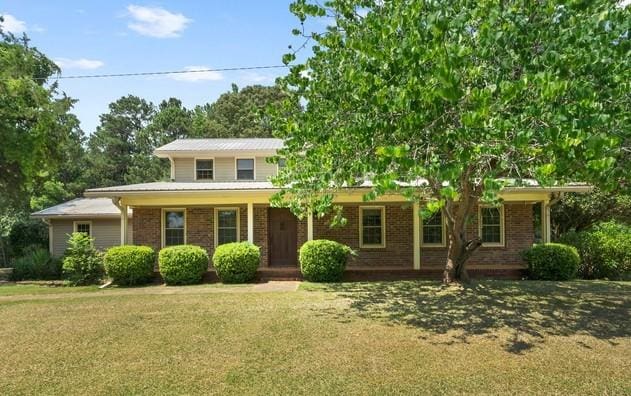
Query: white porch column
124	223
416	221
547	237
310	226
250	222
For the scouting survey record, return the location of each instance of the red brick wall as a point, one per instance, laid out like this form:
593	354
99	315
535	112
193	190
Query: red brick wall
260	232
399	233
518	235
200	227
146	227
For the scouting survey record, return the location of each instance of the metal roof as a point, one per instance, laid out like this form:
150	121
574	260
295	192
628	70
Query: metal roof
81	207
205	145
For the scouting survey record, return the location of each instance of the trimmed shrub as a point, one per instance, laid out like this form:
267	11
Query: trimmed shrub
129	265
552	261
182	265
82	263
236	262
605	251
322	260
36	264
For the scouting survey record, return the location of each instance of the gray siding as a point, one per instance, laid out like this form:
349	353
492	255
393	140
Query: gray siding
106	233
184	169
224	169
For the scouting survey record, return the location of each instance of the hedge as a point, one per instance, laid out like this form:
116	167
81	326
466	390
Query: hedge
605	251
183	264
322	260
129	265
236	262
552	261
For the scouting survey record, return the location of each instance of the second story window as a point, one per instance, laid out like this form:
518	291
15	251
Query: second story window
245	168
204	169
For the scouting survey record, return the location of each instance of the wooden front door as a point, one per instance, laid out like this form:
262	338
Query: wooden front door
282	237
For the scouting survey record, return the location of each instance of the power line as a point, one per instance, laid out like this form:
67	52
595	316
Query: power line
225	69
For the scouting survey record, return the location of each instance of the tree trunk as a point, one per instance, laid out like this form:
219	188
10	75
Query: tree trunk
459	247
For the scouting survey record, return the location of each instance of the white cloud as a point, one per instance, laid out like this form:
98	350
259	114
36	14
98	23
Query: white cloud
257	78
81	63
197	75
12	24
156	21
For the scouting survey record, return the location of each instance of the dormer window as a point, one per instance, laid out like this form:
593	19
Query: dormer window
245	168
204	169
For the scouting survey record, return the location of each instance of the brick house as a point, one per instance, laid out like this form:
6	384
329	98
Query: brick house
219	192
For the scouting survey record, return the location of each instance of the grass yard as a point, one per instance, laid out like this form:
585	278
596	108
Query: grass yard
351	338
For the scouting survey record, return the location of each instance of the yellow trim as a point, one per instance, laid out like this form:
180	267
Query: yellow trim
195	167
162	223
236	168
218	197
502	242
416	234
383	228
216	222
76	223
443	229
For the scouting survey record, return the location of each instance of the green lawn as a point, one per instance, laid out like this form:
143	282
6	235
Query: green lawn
350	338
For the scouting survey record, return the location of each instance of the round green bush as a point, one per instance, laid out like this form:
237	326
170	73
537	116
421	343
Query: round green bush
182	265
236	262
322	260
552	261
129	265
605	251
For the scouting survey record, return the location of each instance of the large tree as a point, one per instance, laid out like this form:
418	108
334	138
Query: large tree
443	101
237	113
171	121
33	118
115	143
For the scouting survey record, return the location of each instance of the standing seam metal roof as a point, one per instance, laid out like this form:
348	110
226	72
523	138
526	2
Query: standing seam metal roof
222	145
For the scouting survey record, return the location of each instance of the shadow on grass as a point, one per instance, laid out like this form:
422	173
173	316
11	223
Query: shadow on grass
531	311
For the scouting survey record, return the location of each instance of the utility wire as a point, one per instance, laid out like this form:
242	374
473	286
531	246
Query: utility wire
225	69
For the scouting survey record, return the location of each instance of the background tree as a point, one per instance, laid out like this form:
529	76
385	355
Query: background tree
238	113
115	143
460	95
579	212
171	121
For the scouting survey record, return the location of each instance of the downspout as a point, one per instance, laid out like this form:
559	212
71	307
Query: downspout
172	168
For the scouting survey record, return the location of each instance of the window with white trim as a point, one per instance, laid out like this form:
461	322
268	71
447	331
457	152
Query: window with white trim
372	226
282	163
174	227
491	225
84	227
434	230
227	226
204	169
245	168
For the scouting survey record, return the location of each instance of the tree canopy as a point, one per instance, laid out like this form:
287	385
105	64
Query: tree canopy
237	113
33	116
460	95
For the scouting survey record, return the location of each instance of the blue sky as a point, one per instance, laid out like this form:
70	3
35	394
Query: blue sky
134	36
